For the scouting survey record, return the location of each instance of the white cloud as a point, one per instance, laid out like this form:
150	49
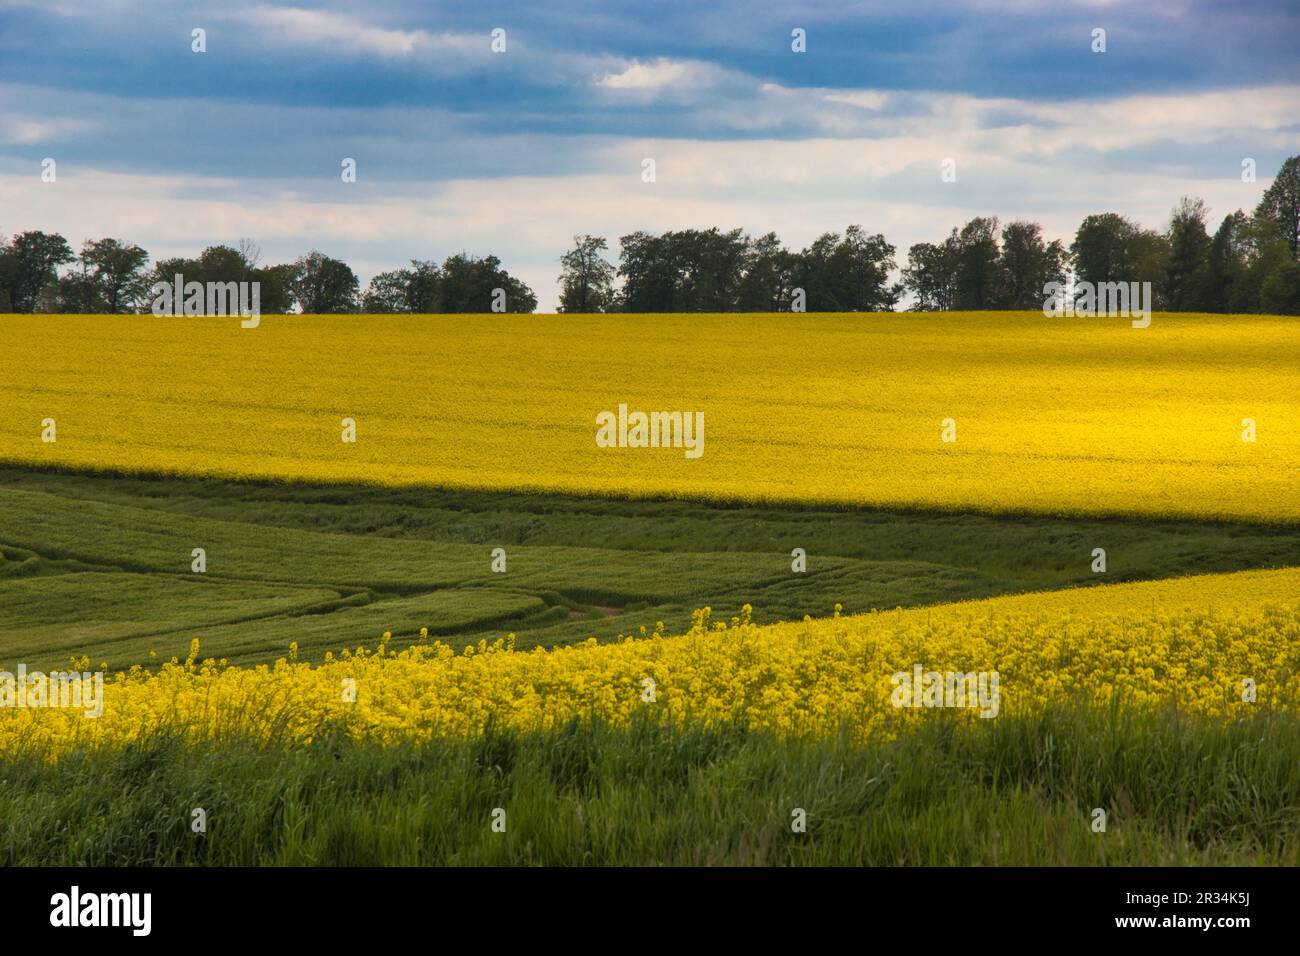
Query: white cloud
1264	116
656	75
296	26
28	130
863	99
679	81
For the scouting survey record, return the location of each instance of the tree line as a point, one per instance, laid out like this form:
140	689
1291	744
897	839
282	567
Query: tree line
1250	263
112	275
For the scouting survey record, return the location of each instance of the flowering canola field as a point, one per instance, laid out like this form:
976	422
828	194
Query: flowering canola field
1063	415
1187	643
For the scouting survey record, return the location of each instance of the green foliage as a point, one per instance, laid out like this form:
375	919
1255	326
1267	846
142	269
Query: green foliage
111	279
229	264
769	280
847	274
1186	285
470	284
970	270
707	270
587	280
28	265
322	285
1104	249
1026	264
462	283
931	275
1280	206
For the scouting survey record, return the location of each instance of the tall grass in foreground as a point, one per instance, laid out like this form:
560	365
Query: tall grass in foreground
1015	790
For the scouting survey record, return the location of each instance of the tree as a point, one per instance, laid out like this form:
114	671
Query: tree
709	265
1281	204
28	263
1279	293
979	282
423	287
1148	255
849	274
587	280
1186	271
116	273
387	293
73	294
1111	248
470	284
275	287
275	292
462	283
323	285
768	281
868	261
1225	263
966	271
1027	265
691	270
222	263
931	275
649	278
414	290
1102	249
1264	253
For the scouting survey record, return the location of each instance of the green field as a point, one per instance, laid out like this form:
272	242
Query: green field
1005	792
100	564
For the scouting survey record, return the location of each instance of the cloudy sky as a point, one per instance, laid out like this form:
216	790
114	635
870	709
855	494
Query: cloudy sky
460	148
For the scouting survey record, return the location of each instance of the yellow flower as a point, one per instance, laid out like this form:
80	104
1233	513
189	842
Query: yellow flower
1188	643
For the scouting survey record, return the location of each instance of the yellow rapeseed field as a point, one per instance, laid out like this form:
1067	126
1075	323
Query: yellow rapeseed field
1061	415
1188	643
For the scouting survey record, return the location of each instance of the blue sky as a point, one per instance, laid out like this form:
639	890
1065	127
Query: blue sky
459	148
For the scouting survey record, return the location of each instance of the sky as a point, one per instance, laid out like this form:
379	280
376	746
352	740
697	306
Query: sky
460	148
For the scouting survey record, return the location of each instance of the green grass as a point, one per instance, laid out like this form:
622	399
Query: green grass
100	564
1005	791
